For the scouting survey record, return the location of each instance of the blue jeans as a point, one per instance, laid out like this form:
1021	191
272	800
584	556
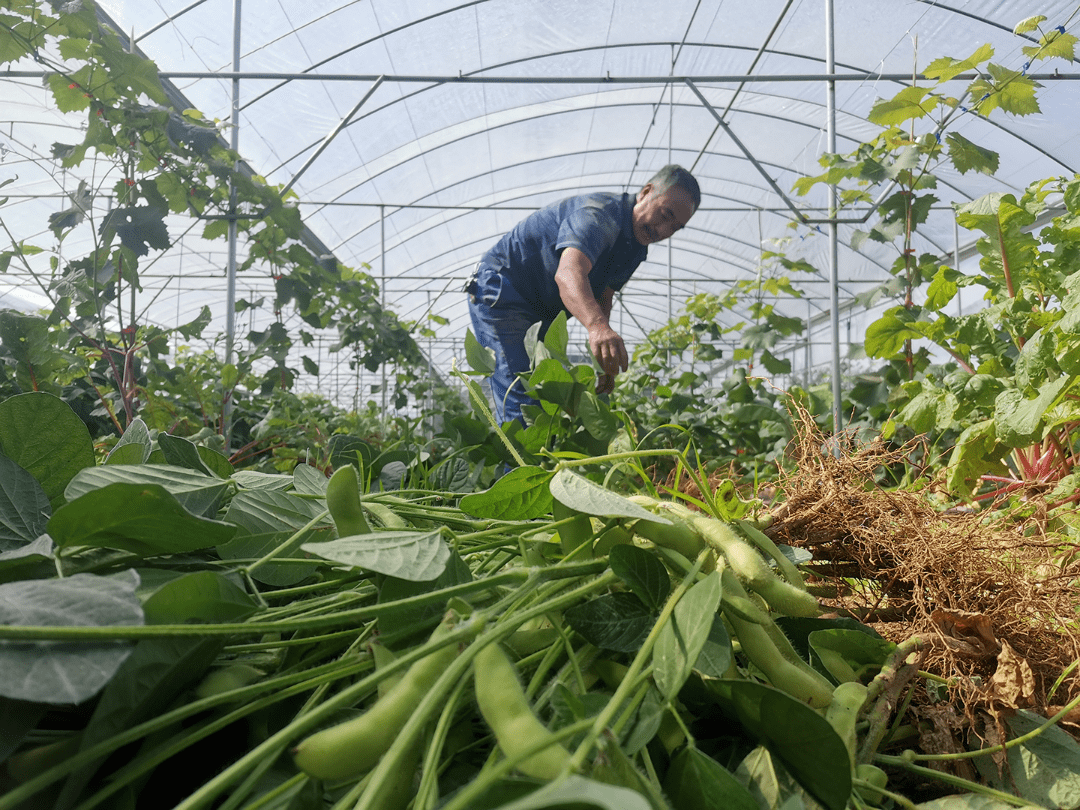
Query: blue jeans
500	319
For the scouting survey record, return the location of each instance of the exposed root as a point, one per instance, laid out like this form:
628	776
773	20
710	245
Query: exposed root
996	600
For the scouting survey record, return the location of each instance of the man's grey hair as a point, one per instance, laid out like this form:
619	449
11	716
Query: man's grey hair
673	175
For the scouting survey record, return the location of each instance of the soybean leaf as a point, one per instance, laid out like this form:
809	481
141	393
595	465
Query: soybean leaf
199	494
645	724
267	519
21	563
264	510
159	670
521	494
415	556
643	573
481	359
557	338
597	418
392	475
715	656
577	790
613	766
278	572
455	475
1045	770
181	452
798	630
24	506
555	384
696	781
198	596
214	461
133	447
41	434
850	654
681	640
568	707
581	494
308	480
58	672
801	738
345	449
393	589
770	783
251	479
615	621
140	518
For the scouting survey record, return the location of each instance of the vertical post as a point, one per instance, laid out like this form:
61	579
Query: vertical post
431	377
670	134
230	295
809	359
956	260
834	237
382	290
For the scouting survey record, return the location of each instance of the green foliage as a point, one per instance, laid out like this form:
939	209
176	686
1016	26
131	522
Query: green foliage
1004	403
147	569
168	162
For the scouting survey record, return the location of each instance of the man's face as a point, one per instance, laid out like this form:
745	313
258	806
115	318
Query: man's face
658	216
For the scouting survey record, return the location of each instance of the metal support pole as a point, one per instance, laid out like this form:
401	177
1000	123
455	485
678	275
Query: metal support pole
230	295
331	135
382	289
834	237
956	260
671	124
809	360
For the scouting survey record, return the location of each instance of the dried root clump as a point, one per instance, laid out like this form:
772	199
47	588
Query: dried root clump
995	601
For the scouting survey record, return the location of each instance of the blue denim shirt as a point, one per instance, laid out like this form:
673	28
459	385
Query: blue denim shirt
598	224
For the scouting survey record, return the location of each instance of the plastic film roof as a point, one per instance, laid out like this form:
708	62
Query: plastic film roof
489	109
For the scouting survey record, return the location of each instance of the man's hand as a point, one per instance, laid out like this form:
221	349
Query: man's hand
607	347
610	352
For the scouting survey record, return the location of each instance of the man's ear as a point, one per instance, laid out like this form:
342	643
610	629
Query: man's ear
646	190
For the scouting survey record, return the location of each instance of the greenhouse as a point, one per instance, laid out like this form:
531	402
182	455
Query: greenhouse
266	543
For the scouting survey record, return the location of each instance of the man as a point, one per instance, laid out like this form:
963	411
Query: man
572	255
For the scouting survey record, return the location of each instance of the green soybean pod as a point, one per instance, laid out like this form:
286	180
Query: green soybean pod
355	746
788	570
875	778
843	713
343	502
802	684
575	533
678	537
615	536
736	600
751	567
771	651
507	712
235	676
386	516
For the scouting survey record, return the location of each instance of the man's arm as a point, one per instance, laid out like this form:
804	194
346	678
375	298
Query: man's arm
572	278
607	298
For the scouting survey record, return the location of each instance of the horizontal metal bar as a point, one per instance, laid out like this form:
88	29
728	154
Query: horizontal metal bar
460	79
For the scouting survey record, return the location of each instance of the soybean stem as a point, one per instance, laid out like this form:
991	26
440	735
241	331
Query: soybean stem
629	682
956	781
1015	741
